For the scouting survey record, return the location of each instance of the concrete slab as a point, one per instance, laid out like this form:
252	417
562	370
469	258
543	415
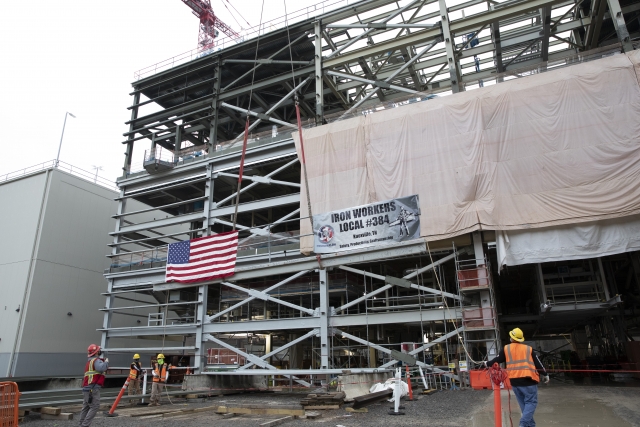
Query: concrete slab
569	406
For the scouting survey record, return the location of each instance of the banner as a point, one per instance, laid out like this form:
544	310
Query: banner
374	224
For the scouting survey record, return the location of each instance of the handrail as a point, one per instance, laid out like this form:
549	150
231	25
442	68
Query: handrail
69	168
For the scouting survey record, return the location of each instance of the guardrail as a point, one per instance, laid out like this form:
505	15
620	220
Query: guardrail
69	168
225	42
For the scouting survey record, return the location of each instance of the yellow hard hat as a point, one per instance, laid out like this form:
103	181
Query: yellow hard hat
517	335
136	356
161	356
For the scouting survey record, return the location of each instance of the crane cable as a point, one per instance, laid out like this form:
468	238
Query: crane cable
297	102
246	125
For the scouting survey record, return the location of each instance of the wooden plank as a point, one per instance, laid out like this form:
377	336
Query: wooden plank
316	407
256	410
50	410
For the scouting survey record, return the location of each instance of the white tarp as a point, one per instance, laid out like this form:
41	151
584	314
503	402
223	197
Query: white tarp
564	242
561	147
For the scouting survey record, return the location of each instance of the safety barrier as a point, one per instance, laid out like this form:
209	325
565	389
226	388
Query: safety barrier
9	399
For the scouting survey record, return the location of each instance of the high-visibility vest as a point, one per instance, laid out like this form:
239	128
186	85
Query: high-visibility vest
134	371
520	361
161	372
92	376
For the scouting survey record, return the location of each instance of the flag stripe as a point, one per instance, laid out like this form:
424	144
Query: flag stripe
203	258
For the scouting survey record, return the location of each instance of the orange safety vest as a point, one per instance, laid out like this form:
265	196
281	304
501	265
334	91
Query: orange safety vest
160	373
133	372
520	361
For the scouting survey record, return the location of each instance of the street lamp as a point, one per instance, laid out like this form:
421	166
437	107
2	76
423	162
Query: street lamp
97	168
62	136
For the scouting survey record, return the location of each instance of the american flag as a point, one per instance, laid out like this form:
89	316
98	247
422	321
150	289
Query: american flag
204	258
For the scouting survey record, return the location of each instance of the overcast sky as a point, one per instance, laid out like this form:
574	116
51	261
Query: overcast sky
80	56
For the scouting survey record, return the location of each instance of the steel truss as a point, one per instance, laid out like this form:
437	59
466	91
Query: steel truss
337	64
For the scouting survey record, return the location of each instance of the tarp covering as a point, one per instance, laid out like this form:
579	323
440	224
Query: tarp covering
565	242
561	147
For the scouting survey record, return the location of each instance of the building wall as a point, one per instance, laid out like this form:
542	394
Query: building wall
68	278
19	216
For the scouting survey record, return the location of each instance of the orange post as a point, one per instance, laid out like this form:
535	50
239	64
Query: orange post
115	404
9	401
409	384
497	405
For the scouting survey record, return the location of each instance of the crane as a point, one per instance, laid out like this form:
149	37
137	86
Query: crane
209	24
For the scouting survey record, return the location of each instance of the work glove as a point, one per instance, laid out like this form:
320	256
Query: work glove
546	379
106	360
484	363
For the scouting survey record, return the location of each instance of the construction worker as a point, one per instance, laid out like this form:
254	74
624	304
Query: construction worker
135	372
93	380
160	377
524	369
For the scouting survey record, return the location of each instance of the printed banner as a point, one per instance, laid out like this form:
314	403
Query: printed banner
375	224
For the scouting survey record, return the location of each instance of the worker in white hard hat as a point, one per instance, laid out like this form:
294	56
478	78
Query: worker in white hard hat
135	374
160	378
524	369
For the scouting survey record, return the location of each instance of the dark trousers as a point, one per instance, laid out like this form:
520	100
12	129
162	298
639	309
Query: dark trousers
89	410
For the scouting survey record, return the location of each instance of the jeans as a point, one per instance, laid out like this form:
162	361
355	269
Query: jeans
528	400
89	410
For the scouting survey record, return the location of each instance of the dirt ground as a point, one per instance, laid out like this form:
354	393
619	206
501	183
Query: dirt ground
558	406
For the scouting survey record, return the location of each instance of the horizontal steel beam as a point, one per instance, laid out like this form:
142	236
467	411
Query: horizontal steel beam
399	317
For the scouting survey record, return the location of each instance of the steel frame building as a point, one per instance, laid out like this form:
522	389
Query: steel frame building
188	120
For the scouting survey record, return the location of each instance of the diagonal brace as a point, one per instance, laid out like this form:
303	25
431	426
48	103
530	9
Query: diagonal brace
241	303
266	297
255	359
279	349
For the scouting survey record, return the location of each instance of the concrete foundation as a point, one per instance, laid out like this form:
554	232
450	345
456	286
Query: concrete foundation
224	383
355	385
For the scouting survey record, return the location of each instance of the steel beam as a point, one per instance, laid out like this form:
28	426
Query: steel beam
317	27
396	317
449	45
323	312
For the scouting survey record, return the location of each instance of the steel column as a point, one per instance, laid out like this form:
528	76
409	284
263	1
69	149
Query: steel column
317	26
201	317
620	25
449	44
323	312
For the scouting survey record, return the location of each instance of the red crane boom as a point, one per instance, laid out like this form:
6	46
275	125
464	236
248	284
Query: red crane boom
209	22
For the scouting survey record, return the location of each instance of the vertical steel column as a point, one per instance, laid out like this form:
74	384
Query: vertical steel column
324	319
201	318
106	323
545	14
449	44
178	143
215	108
621	26
126	168
485	296
208	202
319	82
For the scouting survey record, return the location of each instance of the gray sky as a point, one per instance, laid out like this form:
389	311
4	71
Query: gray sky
80	56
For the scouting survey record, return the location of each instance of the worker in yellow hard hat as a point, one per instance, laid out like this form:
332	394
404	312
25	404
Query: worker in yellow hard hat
524	369
160	378
135	374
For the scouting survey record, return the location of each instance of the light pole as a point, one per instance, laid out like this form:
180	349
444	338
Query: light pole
62	136
97	168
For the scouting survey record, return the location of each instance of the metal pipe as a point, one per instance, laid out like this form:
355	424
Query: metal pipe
62	136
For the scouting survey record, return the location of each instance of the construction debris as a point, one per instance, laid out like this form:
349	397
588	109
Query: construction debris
331	400
295	410
368	399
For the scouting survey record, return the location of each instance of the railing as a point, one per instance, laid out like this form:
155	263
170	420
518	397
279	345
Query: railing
265	244
81	173
9	401
225	42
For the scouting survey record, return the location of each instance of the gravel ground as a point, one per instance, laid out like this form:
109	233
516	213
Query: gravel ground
442	409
